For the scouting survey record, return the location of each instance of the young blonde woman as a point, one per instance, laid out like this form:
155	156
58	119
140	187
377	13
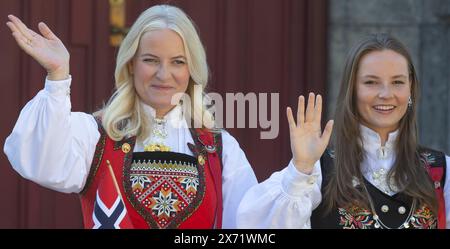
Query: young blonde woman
135	163
377	175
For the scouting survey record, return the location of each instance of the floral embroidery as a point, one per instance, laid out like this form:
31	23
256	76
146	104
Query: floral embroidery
427	158
190	184
166	204
424	218
98	155
331	153
355	218
139	181
165	189
359	218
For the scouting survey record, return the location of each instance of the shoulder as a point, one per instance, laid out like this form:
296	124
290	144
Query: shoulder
227	139
98	121
230	145
431	157
436	163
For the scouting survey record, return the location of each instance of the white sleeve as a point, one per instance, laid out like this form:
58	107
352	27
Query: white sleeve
285	200
447	192
237	178
51	145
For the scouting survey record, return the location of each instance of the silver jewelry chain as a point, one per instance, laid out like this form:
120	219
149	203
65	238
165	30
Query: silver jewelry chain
159	128
380	224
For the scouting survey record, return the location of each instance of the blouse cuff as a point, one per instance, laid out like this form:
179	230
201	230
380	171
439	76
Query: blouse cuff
58	88
296	183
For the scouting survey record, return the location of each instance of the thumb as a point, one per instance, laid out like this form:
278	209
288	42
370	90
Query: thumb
327	133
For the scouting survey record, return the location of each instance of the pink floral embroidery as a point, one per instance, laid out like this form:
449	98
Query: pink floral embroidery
355	218
424	218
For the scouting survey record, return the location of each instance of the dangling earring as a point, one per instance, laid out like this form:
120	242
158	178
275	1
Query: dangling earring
410	102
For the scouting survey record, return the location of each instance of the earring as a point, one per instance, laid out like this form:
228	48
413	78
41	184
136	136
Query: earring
410	102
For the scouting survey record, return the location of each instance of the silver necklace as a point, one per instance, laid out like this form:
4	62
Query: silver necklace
158	135
159	129
380	225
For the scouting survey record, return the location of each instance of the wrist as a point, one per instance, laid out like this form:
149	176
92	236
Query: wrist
304	167
58	75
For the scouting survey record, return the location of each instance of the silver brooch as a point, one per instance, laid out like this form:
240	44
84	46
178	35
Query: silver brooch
210	148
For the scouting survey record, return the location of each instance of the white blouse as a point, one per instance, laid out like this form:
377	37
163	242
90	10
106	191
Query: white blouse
288	197
54	147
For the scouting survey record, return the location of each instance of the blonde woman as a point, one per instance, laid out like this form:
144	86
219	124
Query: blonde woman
135	163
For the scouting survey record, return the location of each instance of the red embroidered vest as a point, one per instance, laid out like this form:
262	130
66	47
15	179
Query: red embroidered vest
152	193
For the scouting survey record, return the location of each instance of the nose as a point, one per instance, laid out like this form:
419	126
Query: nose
163	72
385	91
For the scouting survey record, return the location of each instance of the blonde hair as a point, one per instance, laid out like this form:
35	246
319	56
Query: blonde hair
123	115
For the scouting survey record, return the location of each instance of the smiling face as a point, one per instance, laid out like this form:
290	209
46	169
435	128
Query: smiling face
383	87
160	69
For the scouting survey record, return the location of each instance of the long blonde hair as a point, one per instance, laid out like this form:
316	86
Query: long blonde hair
123	115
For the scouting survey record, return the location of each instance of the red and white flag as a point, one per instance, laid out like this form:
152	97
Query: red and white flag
109	208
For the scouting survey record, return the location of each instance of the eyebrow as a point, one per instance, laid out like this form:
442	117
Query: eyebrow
399	76
393	77
175	57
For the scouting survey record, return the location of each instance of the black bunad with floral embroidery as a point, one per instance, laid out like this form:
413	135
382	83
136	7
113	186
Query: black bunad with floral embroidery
397	211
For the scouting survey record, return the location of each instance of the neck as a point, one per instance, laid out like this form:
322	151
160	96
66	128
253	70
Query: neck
384	137
162	112
383	133
160	115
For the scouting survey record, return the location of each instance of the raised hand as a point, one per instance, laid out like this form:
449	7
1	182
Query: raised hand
47	49
307	140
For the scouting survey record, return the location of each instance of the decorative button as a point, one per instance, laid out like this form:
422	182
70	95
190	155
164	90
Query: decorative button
210	148
355	181
201	160
382	152
384	208
401	210
406	225
437	184
311	180
126	147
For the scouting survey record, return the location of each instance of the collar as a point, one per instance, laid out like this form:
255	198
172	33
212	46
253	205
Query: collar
372	143
173	117
378	159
